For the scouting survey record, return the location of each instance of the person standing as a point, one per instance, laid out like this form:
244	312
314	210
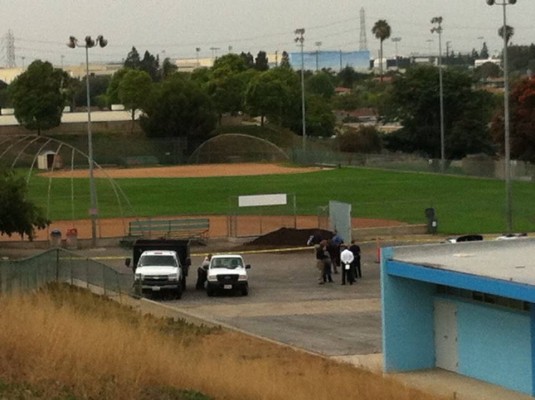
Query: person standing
327	263
335	243
347	258
318	250
202	272
355	249
333	247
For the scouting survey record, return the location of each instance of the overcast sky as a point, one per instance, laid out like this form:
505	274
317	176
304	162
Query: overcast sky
175	28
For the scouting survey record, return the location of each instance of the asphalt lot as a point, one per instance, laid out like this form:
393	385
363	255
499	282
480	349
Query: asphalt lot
287	305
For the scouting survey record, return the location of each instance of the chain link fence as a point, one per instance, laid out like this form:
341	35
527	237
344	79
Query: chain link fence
58	265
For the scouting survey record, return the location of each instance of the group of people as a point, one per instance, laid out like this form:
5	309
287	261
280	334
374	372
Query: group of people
334	254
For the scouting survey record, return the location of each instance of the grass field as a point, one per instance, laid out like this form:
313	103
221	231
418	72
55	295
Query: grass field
67	344
463	205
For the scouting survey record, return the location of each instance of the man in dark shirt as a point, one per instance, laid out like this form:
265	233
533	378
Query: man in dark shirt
355	249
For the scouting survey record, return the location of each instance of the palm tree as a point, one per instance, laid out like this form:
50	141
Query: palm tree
382	31
509	32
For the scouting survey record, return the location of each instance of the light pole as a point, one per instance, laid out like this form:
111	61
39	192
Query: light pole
89	43
507	145
318	45
301	40
197	50
214	52
438	29
396	40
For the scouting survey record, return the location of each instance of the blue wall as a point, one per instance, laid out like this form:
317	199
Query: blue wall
495	345
408	340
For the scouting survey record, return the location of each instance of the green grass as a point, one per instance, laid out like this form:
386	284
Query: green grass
463	205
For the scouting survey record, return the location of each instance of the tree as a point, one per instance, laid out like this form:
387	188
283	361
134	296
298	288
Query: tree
133	60
151	65
133	91
4	95
320	120
321	84
382	31
261	61
248	59
98	87
415	100
112	92
484	53
17	213
227	83
522	122
365	139
509	32
177	107
229	63
267	95
285	60
168	68
37	96
487	70
347	77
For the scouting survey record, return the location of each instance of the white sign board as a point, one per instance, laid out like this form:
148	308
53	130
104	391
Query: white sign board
262	200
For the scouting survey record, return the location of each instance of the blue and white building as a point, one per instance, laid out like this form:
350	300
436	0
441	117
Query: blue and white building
465	307
331	59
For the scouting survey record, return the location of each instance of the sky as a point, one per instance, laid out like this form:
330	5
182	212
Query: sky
176	28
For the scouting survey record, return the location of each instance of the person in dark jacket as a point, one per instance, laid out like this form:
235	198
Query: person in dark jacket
355	249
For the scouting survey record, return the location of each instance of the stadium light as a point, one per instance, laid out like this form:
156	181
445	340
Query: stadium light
438	29
93	212
300	39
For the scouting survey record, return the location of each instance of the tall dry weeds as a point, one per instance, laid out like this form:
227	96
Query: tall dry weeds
102	351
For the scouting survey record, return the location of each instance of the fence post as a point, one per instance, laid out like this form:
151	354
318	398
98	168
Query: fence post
57	265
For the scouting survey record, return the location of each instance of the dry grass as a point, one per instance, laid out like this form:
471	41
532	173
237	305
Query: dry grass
65	338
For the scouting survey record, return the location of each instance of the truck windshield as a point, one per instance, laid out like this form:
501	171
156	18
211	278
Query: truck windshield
150	261
230	263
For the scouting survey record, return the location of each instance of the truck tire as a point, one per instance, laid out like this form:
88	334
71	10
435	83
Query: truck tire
178	292
209	291
245	291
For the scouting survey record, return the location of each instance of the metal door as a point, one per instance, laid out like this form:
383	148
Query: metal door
446	354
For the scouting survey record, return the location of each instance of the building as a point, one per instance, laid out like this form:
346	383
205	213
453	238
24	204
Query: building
465	307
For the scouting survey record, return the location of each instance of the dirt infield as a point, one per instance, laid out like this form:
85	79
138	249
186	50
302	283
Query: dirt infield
118	227
186	171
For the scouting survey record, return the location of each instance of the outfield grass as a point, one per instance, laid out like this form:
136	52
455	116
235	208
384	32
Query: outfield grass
463	205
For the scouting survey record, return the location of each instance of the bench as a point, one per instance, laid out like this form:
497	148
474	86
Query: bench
175	228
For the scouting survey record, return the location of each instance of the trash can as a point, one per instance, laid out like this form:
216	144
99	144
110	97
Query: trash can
55	238
72	238
432	222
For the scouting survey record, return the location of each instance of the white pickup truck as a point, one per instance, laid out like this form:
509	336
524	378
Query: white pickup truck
227	272
160	265
159	270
